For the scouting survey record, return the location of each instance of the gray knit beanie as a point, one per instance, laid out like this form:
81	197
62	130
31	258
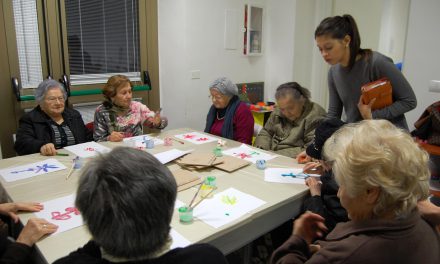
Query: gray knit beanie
224	86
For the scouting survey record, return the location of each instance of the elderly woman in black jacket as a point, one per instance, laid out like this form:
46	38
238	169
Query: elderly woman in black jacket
50	125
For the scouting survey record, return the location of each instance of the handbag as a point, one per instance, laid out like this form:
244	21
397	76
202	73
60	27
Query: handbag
428	125
381	90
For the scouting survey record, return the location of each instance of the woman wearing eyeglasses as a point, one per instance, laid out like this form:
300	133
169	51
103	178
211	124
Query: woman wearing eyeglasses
228	117
50	125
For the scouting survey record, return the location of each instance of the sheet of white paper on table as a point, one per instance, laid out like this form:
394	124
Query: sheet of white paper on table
275	175
226	207
247	153
87	150
64	208
30	170
139	140
196	138
178	240
167	156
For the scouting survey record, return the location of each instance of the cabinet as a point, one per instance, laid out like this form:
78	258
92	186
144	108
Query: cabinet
253	30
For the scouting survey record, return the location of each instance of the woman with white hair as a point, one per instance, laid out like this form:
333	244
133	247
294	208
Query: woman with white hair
50	125
126	198
382	174
228	117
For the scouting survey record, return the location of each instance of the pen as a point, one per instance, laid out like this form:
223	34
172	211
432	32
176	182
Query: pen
62	154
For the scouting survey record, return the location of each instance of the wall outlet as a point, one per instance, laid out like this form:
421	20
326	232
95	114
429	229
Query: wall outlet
434	86
195	74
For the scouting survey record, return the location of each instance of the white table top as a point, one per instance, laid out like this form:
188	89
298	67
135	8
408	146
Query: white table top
283	201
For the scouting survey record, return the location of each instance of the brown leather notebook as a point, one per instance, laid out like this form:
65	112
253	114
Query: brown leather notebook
380	89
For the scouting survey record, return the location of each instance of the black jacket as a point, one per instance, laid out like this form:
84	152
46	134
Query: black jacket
194	254
35	131
327	205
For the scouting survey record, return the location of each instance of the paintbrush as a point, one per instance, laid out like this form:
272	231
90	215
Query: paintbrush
181	142
203	198
195	195
71	170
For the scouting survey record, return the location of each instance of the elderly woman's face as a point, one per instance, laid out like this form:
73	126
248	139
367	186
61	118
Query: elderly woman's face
53	102
123	96
219	100
359	207
290	108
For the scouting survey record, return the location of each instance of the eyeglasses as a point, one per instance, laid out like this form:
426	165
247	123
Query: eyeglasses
53	99
216	97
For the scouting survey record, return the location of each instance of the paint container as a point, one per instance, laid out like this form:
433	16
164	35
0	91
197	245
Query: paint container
261	164
149	143
168	141
217	152
207	187
78	163
185	214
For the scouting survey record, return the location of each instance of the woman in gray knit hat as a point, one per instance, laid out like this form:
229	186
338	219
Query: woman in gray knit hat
228	117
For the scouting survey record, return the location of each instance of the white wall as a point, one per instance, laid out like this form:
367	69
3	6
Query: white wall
191	37
422	56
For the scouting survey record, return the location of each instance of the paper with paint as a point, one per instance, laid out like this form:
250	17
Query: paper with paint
226	207
247	153
286	175
196	138
30	170
139	141
62	212
88	149
167	156
178	240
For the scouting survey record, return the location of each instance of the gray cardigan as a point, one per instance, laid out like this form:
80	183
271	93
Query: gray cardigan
344	90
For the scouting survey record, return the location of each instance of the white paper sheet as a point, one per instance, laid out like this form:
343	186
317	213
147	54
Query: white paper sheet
167	156
226	207
196	138
61	212
178	240
30	170
284	175
139	140
178	204
87	150
247	153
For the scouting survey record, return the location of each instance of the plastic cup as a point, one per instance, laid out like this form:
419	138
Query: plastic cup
185	214
217	152
207	187
149	144
261	164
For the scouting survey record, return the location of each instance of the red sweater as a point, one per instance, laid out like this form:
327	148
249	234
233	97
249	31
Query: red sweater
243	125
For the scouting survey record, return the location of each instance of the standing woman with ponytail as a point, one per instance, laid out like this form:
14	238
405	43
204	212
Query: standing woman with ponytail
339	42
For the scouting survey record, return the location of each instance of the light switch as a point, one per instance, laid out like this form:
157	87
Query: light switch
434	86
195	74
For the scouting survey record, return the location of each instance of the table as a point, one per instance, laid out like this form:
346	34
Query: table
283	201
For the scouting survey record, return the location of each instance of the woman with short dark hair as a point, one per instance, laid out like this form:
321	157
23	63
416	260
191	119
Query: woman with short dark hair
51	125
126	198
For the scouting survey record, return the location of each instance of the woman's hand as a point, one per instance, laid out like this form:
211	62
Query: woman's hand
48	150
314	185
34	230
313	168
116	136
429	211
303	158
157	120
11	209
309	226
365	109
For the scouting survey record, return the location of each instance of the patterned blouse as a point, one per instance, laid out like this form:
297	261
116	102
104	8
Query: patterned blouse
130	124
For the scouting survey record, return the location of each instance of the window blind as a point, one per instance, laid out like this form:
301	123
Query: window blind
28	42
103	39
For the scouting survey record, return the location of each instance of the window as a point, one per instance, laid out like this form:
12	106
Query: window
103	40
28	42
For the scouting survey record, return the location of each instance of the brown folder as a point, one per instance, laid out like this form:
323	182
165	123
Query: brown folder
381	90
